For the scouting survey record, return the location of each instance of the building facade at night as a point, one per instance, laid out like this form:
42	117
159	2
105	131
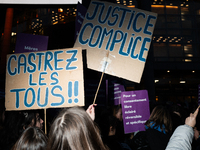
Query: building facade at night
172	71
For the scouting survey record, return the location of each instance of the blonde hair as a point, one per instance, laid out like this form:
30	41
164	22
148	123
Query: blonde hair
160	116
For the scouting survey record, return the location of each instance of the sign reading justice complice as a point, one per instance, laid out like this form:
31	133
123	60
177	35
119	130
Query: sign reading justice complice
123	32
44	79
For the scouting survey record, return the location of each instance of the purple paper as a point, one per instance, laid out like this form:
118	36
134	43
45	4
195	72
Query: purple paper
30	43
81	11
118	88
135	110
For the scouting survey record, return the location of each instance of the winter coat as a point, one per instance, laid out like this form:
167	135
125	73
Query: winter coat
181	138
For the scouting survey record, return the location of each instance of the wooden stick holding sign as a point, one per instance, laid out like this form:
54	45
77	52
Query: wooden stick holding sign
107	54
45	121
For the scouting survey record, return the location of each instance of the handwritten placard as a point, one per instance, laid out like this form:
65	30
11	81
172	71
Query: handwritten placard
45	79
125	32
135	110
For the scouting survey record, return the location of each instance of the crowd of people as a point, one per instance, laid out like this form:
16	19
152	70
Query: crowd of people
170	126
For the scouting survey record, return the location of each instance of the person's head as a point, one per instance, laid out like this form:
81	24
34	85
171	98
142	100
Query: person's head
32	138
73	129
160	116
108	125
117	112
32	119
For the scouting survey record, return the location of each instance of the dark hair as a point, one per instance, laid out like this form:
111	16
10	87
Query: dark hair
2	112
32	138
29	118
160	116
106	121
73	129
12	130
116	108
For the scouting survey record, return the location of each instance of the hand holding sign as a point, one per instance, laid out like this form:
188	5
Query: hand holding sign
91	111
191	120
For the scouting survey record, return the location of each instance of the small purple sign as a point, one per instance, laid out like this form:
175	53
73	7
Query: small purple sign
118	88
135	110
81	11
30	43
199	94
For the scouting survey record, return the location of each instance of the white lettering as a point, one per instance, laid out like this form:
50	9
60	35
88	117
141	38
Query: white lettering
126	95
126	106
30	48
137	100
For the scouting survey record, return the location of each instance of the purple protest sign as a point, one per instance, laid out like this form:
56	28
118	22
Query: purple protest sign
118	88
135	110
81	11
199	94
30	43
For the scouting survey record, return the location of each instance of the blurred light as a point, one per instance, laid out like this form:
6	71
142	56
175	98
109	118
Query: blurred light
60	10
188	60
193	71
156	81
132	6
156	98
55	23
189	55
13	33
168	70
182	81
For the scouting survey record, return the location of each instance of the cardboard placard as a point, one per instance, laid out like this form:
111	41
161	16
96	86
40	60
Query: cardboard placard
125	32
135	110
46	79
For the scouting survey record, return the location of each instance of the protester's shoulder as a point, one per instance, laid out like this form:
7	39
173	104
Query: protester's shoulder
140	142
155	133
